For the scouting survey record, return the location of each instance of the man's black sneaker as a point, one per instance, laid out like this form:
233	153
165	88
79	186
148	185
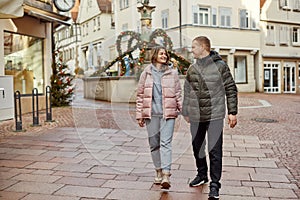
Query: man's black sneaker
213	193
198	181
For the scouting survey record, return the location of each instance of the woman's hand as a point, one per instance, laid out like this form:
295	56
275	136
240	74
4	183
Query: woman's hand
141	122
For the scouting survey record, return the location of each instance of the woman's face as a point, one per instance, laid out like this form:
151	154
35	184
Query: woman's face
197	49
162	56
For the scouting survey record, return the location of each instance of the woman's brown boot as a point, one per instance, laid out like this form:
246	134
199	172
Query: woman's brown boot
158	177
165	183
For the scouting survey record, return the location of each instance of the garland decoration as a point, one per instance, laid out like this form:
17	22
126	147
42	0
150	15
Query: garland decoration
161	33
133	36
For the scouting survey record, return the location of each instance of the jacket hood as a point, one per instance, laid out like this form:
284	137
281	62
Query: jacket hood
167	68
211	58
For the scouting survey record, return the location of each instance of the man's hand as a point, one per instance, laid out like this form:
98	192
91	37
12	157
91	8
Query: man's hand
141	122
187	119
232	121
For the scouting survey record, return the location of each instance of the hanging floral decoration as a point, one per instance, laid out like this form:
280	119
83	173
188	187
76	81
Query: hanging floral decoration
166	39
133	36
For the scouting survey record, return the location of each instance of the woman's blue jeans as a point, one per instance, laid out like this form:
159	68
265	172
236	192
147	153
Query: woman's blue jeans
160	135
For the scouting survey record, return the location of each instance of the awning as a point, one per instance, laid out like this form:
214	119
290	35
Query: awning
11	9
47	16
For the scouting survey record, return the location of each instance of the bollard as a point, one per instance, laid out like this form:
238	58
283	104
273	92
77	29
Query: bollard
35	108
18	112
48	105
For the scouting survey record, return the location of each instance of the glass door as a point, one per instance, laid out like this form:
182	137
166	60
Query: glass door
271	77
289	77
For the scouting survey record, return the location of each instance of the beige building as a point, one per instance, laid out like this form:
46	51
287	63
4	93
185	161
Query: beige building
280	47
67	40
233	28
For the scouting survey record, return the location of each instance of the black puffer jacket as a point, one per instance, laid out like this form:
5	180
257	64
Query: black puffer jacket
208	82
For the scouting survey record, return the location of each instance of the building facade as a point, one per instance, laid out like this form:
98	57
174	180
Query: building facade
96	23
233	28
280	47
26	47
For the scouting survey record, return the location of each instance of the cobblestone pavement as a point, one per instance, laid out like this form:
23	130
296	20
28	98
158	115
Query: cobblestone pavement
95	150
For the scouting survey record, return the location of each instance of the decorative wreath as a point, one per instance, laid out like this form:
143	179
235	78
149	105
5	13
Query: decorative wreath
161	33
133	36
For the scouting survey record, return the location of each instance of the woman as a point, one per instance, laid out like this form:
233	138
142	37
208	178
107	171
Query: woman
158	104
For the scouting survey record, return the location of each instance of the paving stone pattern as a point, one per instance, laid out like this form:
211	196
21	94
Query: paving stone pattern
95	150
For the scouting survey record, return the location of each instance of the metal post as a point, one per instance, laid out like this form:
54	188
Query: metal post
180	24
35	108
48	105
18	111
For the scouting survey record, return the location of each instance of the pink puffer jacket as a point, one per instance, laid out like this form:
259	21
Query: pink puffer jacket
171	91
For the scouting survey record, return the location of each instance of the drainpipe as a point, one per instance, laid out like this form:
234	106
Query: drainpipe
180	34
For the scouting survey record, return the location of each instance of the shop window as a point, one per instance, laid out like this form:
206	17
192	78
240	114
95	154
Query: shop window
23	57
240	69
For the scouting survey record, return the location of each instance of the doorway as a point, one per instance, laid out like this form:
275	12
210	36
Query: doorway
289	78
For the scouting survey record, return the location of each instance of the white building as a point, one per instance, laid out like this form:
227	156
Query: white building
96	23
280	46
68	40
232	26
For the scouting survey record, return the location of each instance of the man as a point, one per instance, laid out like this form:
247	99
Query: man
208	85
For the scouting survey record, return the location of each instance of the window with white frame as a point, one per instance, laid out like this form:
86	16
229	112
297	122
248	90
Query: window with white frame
214	16
125	28
296	5
98	22
201	15
254	24
225	17
270	37
83	30
87	28
164	18
90	3
240	69
95	24
138	26
244	19
296	36
283	4
298	70
283	35
124	4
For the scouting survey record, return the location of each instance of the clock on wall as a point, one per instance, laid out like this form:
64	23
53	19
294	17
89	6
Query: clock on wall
64	5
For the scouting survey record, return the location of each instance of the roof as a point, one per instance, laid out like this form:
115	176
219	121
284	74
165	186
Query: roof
105	6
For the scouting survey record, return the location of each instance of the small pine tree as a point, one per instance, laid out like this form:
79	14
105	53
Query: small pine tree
61	83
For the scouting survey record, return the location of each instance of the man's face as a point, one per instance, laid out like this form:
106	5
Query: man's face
197	49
